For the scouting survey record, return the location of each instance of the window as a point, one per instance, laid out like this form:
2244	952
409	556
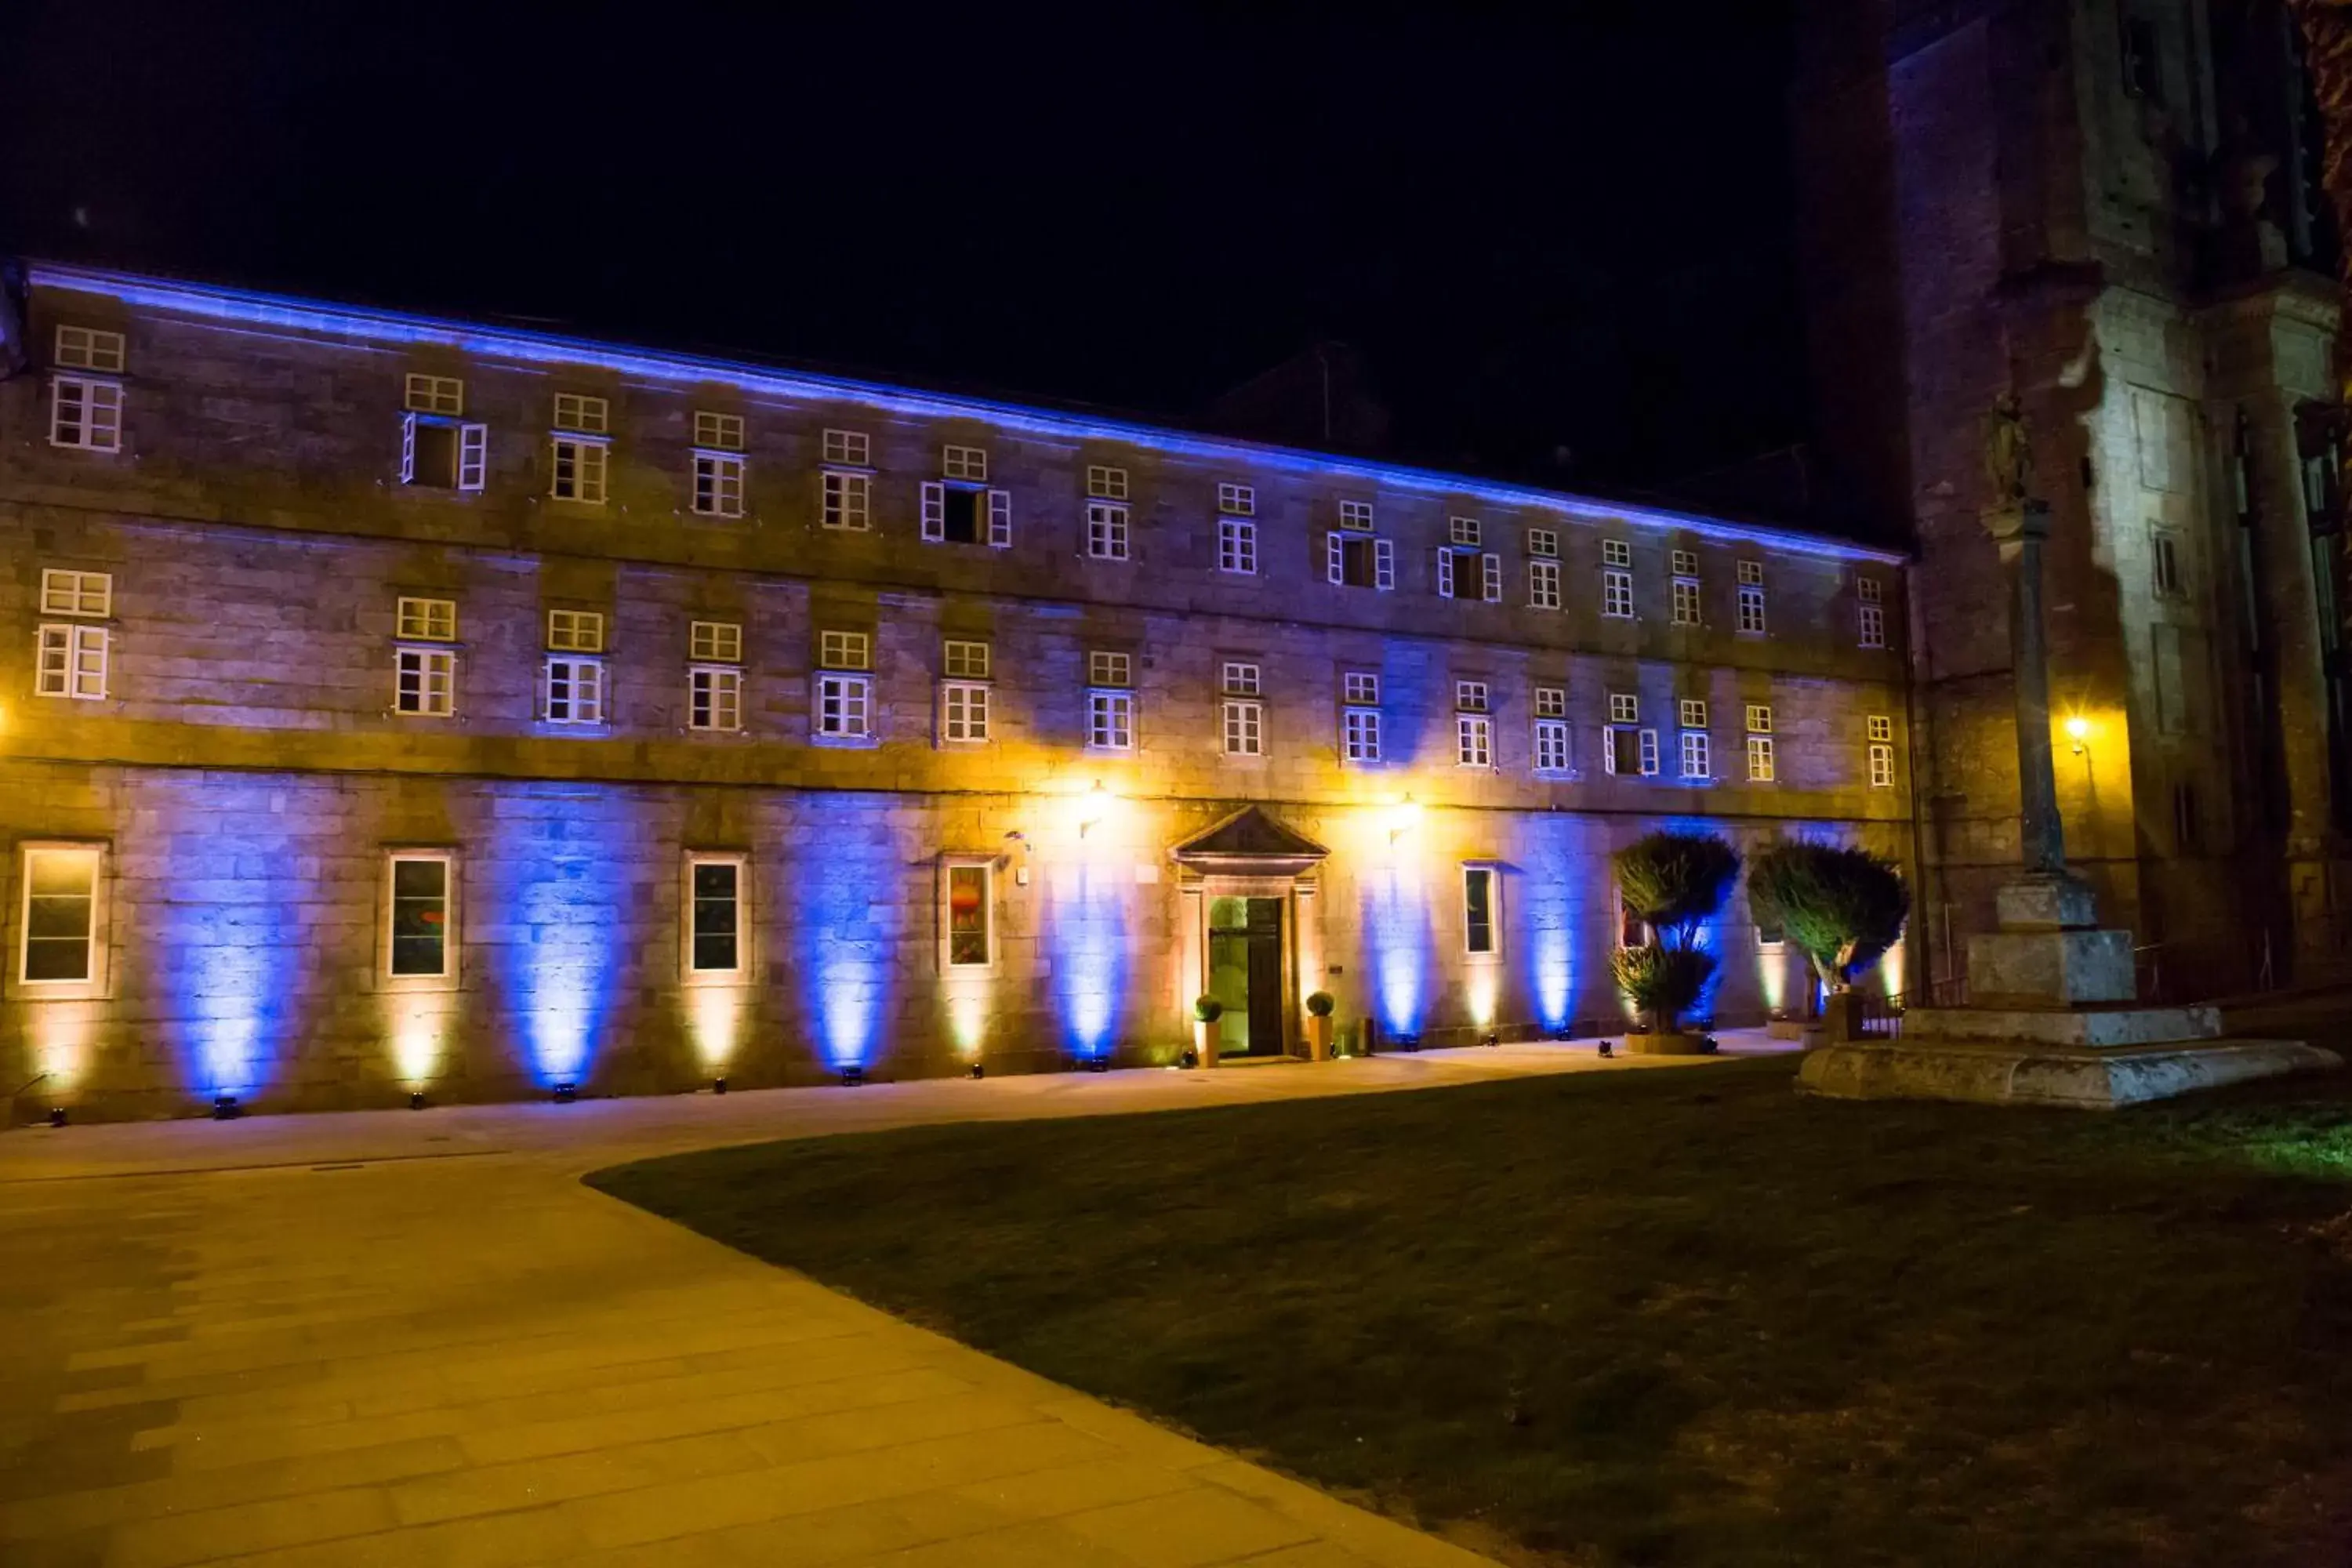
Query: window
574	692
848	501
1624	708
426	685
1692	712
1686	602
1478	911
1490	578
1245	729
1457	569
958	515
1751	574
1237	500
964	463
441	394
1106	531
1474	740
86	414
714	698
853	447
1632	750
87	348
1552	702
715	918
963	711
1463	531
1751	610
1617	595
1355	515
1470	696
1362	688
1760	718
578	469
1616	553
845	650
968	912
714	642
426	620
575	631
1685	563
1882	728
719	484
718	432
1551	746
1110	668
1873	625
1237	545
1543	584
1544	542
1110	720
1361	560
843	706
1760	761
1697	763
1105	484
61	940
1239	679
442	453
418	915
965	661
1867	589
589	415
1881	765
1359	732
1632	930
2166	557
67	593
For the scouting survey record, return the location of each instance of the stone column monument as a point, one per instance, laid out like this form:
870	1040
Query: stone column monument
2054	1017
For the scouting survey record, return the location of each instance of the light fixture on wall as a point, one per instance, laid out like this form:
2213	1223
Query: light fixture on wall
1093	807
1403	817
2078	732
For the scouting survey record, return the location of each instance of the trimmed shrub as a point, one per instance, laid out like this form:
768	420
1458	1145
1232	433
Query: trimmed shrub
1320	1004
1208	1009
1842	906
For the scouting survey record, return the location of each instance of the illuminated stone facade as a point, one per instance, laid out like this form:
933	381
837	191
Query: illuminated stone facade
256	546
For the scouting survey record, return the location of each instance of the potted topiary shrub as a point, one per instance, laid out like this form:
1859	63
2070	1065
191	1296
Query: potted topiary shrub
1674	883
1842	906
1206	1011
1319	1026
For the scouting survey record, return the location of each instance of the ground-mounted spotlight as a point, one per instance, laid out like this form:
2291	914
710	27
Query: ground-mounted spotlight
415	1099
1607	1049
224	1107
566	1093
1565	1032
1099	1063
57	1116
718	1084
1493	1038
1191	1059
979	1071
852	1075
1410	1042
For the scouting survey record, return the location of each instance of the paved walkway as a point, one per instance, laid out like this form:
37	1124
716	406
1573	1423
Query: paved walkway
415	1339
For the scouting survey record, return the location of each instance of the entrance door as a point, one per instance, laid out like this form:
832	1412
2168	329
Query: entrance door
1245	973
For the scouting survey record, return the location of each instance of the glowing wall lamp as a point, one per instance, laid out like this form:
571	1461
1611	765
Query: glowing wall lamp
2078	732
1403	817
1093	806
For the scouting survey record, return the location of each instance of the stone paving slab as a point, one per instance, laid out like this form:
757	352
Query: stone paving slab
417	1339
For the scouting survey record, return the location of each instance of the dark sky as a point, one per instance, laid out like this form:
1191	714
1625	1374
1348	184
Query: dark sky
1564	226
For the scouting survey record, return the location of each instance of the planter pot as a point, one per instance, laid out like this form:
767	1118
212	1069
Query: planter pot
1206	1033
1786	1028
1319	1039
1670	1045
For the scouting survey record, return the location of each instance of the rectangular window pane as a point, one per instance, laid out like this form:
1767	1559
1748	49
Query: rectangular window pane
420	916
60	914
968	915
1478	910
1551	746
717	922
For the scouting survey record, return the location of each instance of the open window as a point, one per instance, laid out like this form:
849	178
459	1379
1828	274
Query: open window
955	513
438	453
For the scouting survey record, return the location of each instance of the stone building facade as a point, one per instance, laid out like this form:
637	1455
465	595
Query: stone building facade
402	706
2108	210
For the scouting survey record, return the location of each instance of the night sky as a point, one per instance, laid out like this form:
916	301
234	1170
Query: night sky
1541	232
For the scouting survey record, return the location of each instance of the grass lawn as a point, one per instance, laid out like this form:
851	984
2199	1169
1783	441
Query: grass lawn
1659	1317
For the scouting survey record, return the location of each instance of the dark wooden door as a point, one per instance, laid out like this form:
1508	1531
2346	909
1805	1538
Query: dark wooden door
1266	977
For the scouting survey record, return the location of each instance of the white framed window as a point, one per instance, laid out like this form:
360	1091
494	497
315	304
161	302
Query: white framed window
847	500
1237	545
964	712
1871	625
1761	769
719	484
1881	765
1759	718
1360	689
1360	734
65	591
1355	515
1617	595
1881	727
714	642
1462	531
852	447
1471	696
1543	584
89	348
968	912
714	698
844	706
577	468
1544	543
1697	763
70	661
1691	712
845	650
1751	610
1105	668
1751	574
966	514
1106	531
426	620
1686	602
1474	740
969	463
426	683
86	414
1490	578
1867	590
575	631
716	931
1104	483
1616	553
1631	751
1360	559
574	693
1110	720
962	660
1685	563
441	394
420	915
716	432
442	454
1551	746
1481	915
61	917
1237	500
588	415
1239	678
1245	729
1552	702
1624	708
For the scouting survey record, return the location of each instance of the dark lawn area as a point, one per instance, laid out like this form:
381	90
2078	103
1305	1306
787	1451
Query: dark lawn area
1658	1317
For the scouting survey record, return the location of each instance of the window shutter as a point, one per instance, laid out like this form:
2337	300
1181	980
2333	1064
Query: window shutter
1383	564
1445	573
1649	753
473	455
408	448
1336	557
1490	567
934	509
1000	519
1609	751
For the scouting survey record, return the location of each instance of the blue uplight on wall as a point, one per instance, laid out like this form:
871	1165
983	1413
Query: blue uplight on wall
228	940
844	936
1396	933
1554	916
1087	938
557	887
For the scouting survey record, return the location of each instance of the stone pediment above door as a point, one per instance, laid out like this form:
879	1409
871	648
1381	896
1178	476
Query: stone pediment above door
1252	844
